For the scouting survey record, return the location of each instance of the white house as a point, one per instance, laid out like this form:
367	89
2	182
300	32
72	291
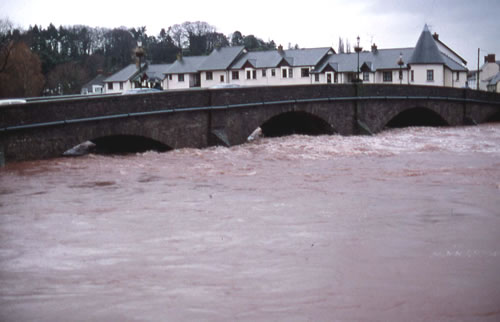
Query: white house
277	67
489	75
122	80
184	73
95	86
430	62
214	69
433	63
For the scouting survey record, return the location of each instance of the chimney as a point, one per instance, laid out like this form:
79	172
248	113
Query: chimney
436	36
280	49
179	56
490	58
374	48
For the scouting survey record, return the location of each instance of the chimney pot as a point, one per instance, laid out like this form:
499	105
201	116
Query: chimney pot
374	48
280	49
436	36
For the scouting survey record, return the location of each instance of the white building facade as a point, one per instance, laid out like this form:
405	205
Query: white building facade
430	63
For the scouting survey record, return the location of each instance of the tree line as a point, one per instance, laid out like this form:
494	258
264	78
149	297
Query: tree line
58	61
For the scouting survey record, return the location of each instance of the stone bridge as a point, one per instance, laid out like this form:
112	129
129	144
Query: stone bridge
206	117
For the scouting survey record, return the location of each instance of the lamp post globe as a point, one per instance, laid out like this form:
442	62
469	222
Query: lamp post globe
400	62
358	49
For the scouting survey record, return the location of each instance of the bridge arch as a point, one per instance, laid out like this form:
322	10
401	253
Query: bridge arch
414	116
417	116
119	139
295	122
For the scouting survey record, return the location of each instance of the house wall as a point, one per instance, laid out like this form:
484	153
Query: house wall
175	83
268	79
116	87
488	70
216	78
379	77
420	72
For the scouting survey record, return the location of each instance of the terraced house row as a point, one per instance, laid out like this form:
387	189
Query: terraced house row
430	62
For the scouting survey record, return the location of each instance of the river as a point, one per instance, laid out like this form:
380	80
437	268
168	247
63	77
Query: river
401	226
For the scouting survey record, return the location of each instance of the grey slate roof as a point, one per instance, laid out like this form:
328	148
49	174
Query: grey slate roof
123	75
453	65
157	71
272	58
259	59
426	51
98	80
382	59
221	58
187	65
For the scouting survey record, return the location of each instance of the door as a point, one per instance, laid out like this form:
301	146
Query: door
329	77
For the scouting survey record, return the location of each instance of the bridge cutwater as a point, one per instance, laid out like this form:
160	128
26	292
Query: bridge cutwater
206	117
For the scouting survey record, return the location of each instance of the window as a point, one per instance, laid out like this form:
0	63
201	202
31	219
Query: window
290	72
110	86
387	76
458	76
222	78
121	85
254	74
170	77
264	74
249	74
180	77
335	78
209	76
236	75
316	77
366	76
412	75
273	72
284	72
304	72
430	75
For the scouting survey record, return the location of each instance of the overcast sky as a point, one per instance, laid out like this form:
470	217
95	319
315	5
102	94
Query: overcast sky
464	25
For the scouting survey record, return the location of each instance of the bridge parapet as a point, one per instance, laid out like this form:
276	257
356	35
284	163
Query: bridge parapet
204	117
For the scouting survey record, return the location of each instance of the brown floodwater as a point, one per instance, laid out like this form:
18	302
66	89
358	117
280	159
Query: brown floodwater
401	226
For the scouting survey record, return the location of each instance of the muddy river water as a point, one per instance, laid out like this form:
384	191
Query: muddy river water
401	226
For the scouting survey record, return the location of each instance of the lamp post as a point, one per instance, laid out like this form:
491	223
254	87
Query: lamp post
139	53
400	63
358	49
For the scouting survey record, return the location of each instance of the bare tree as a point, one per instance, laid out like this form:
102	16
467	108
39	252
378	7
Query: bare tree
22	76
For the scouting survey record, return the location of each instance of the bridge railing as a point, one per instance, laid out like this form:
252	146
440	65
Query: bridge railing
230	99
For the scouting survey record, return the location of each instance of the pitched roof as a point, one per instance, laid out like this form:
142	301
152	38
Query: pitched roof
157	71
259	59
186	65
221	58
379	60
426	51
123	75
306	56
272	58
98	80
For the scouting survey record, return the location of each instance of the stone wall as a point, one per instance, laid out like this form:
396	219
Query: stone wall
216	123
